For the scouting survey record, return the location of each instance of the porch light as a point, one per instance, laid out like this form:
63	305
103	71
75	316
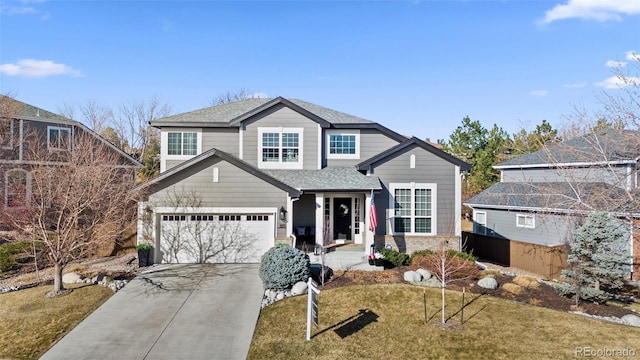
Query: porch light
283	214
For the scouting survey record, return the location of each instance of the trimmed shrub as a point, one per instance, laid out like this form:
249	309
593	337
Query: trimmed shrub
283	266
461	255
13	253
395	258
421	253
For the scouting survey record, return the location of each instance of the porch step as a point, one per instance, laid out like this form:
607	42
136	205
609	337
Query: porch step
348	257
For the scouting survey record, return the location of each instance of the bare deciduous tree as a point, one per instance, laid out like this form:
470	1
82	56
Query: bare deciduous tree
72	199
93	114
231	96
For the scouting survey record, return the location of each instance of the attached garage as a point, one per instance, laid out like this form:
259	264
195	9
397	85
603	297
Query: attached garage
216	235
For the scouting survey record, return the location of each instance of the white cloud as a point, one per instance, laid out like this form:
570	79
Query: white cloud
616	82
37	68
615	64
539	93
575	85
599	10
632	56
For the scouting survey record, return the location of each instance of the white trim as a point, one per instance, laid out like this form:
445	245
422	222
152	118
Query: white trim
319	218
319	147
164	144
476	222
369	235
216	210
525	217
21	150
69	130
413	186
457	212
241	142
328	134
280	164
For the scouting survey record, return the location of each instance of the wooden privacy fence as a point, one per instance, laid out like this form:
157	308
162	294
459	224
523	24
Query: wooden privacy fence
547	261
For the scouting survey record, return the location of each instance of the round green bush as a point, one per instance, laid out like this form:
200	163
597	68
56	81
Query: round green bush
283	266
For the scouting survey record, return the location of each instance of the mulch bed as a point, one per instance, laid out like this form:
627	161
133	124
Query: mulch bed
544	295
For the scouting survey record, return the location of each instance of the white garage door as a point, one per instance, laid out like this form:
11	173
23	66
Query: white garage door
216	238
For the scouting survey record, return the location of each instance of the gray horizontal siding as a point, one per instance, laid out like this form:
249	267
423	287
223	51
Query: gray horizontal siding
614	176
225	139
550	230
429	169
282	117
235	188
372	143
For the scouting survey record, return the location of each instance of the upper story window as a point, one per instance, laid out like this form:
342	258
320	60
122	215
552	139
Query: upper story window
16	188
343	144
526	221
280	148
182	143
414	209
59	138
6	133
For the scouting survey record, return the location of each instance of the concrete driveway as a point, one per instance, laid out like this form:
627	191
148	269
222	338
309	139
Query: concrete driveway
204	311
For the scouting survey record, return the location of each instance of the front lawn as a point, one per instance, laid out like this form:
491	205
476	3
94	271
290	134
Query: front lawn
386	321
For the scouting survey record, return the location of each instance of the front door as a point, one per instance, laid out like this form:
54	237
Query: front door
342	219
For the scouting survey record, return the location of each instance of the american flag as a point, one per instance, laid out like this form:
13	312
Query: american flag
373	217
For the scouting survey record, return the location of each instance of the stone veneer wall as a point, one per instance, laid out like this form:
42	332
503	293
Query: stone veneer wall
412	243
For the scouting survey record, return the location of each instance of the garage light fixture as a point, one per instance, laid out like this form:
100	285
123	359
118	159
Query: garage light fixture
283	214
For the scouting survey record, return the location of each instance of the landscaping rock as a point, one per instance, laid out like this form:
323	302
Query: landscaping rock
71	278
426	274
412	276
488	283
299	288
631	319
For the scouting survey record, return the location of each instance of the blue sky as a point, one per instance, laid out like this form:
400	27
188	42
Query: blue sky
417	67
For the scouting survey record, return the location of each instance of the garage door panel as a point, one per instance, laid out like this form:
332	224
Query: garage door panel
216	238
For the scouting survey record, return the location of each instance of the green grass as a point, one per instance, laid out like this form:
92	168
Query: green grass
31	323
387	322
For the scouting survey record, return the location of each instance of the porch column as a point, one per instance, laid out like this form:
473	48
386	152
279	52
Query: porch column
319	218
289	220
369	235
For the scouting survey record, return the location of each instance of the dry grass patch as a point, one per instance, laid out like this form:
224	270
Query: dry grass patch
512	288
526	282
489	273
387	322
31	323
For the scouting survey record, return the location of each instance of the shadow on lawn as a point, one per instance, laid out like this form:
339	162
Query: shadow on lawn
465	305
352	324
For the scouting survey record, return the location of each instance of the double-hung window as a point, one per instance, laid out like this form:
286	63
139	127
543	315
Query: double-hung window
16	188
414	208
280	148
58	138
343	144
182	143
6	133
525	221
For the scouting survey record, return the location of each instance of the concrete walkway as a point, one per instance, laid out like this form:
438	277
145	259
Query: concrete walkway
172	312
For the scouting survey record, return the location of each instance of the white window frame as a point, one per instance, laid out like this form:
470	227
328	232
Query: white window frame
9	140
281	164
60	129
353	132
531	225
164	145
413	187
27	188
476	222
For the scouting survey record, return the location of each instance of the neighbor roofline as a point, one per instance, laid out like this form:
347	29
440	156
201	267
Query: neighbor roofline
573	164
545	210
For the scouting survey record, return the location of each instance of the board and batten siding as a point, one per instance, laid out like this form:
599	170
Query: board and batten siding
225	139
429	169
550	230
372	143
235	188
613	176
282	117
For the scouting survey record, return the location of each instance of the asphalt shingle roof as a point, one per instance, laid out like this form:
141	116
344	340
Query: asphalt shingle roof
225	113
330	178
552	196
612	146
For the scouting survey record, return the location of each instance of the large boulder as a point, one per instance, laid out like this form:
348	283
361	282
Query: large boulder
488	283
631	319
71	278
299	288
426	274
412	276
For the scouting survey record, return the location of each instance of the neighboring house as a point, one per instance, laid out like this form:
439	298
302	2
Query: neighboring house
52	134
527	218
273	170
